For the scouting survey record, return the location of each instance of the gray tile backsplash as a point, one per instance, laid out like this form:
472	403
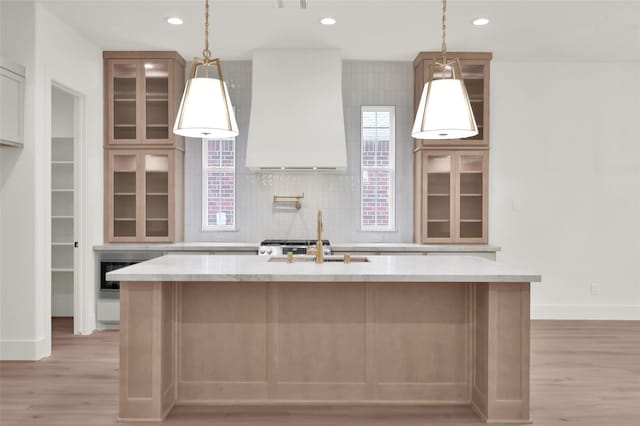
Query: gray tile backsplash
338	195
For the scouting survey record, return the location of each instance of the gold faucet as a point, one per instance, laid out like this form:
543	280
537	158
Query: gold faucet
319	250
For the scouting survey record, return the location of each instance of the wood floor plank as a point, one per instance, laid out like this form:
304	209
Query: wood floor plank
584	373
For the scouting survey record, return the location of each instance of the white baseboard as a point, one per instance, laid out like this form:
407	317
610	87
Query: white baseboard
25	350
586	312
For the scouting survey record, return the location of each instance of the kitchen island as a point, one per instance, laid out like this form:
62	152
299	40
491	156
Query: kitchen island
199	329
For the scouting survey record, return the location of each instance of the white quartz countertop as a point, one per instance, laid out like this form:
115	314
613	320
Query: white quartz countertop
414	248
408	268
178	247
336	247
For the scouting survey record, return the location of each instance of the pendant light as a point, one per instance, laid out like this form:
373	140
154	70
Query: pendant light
444	111
206	110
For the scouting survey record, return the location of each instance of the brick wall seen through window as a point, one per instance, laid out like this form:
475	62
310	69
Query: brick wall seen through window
219	184
377	203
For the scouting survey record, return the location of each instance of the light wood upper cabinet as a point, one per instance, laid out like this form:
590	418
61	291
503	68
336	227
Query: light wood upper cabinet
144	160
451	196
143	195
142	96
475	73
451	176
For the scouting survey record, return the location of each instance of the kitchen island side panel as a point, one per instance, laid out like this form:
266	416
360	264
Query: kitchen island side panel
500	391
147	350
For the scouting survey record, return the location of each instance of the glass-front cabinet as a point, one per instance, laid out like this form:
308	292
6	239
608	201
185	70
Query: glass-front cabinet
451	176
454	197
143	196
471	203
124	182
156	190
142	97
144	160
123	87
439	196
157	94
475	68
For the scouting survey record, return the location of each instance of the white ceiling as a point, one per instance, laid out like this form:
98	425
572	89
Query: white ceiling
520	30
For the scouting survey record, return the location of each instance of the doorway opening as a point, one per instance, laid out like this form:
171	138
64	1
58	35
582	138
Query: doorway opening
64	207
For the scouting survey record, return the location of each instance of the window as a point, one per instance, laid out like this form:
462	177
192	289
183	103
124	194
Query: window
377	202
219	184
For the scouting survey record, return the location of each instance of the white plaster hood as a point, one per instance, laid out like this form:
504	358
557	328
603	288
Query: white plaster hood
297	121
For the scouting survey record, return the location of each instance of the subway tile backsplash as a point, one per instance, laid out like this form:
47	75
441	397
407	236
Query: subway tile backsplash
337	194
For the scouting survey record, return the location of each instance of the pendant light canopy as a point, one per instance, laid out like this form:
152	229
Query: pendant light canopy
206	110
444	111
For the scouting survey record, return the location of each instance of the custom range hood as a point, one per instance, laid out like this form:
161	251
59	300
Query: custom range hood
297	122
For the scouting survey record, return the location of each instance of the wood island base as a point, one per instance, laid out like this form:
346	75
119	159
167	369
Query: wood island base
199	343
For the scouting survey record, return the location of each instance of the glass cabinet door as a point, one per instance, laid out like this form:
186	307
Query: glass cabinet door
156	169
124	87
471	172
157	101
473	74
124	195
439	196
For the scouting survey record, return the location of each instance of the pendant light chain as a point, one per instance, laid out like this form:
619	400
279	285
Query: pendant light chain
444	111
444	31
206	111
206	52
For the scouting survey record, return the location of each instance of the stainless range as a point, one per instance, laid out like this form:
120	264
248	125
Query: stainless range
284	247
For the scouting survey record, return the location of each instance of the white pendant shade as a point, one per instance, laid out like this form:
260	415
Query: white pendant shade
444	112
206	110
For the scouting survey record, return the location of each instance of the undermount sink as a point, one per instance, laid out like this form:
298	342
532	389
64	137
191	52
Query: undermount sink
327	259
341	259
295	259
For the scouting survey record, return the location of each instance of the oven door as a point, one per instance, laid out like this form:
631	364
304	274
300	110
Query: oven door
108	266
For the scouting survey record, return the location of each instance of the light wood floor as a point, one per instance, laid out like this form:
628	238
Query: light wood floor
583	373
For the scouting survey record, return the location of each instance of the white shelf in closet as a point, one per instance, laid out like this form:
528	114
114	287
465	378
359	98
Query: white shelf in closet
62	211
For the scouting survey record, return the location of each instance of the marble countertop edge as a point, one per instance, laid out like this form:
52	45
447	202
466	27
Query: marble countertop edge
363	278
337	247
242	268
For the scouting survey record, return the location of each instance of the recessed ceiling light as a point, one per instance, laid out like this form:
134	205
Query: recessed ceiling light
480	22
174	21
328	21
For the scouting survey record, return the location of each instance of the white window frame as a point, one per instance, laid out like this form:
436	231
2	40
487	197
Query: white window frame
391	109
205	186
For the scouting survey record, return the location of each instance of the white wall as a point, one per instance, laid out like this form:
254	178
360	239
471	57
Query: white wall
18	338
51	51
565	183
62	114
